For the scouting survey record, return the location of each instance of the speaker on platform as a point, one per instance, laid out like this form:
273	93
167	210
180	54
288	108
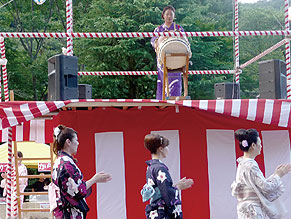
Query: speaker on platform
85	91
272	79
62	77
227	90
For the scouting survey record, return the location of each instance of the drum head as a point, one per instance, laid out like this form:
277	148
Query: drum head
174	45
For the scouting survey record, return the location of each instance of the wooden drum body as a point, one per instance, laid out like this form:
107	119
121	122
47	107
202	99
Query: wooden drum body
173	45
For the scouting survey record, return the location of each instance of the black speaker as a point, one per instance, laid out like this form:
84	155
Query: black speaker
62	77
227	90
272	79
85	91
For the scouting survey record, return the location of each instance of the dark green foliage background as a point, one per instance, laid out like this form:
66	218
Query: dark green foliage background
27	58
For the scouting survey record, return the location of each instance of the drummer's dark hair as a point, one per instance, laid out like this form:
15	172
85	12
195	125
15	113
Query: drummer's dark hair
166	8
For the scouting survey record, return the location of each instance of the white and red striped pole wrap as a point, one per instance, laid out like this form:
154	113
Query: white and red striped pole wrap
236	40
287	48
69	15
111	73
9	207
145	34
1	40
10	187
14	204
267	51
4	70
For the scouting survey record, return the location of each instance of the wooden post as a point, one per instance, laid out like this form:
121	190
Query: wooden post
185	76
166	87
165	77
11	93
52	157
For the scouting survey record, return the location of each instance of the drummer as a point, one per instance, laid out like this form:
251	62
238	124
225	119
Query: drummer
175	80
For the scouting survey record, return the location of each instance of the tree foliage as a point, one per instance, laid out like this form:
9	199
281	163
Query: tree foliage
267	15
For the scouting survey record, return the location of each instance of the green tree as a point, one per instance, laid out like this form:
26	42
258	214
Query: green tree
137	54
264	15
119	54
27	57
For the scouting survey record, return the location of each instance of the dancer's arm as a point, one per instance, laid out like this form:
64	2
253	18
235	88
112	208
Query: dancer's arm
164	182
100	177
184	183
271	187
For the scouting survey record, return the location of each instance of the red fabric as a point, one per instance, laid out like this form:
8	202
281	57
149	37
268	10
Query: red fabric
192	123
17	115
135	124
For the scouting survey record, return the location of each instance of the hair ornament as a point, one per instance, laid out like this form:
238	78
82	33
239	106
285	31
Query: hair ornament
57	131
161	140
244	143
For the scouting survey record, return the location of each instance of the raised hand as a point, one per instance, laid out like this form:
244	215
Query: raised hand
283	169
102	177
184	183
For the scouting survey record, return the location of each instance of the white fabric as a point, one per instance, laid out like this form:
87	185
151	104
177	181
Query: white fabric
284	115
10	116
26	112
221	172
22	171
252	110
111	202
53	193
255	193
37	131
236	106
275	153
219	107
4	135
268	111
19	133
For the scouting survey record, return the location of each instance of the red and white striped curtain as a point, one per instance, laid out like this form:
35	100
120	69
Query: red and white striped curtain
202	147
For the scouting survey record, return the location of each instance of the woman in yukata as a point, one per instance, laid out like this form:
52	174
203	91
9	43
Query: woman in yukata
164	198
23	182
254	192
22	171
68	179
175	80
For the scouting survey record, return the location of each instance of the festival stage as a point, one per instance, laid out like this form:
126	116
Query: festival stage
202	146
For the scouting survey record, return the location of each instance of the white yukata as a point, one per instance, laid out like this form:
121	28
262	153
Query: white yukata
254	192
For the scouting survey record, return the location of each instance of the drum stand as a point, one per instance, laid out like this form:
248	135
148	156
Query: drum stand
185	71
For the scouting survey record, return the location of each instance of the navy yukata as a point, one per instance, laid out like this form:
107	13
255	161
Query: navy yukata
167	204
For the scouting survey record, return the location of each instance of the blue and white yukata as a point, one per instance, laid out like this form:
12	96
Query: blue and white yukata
165	203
